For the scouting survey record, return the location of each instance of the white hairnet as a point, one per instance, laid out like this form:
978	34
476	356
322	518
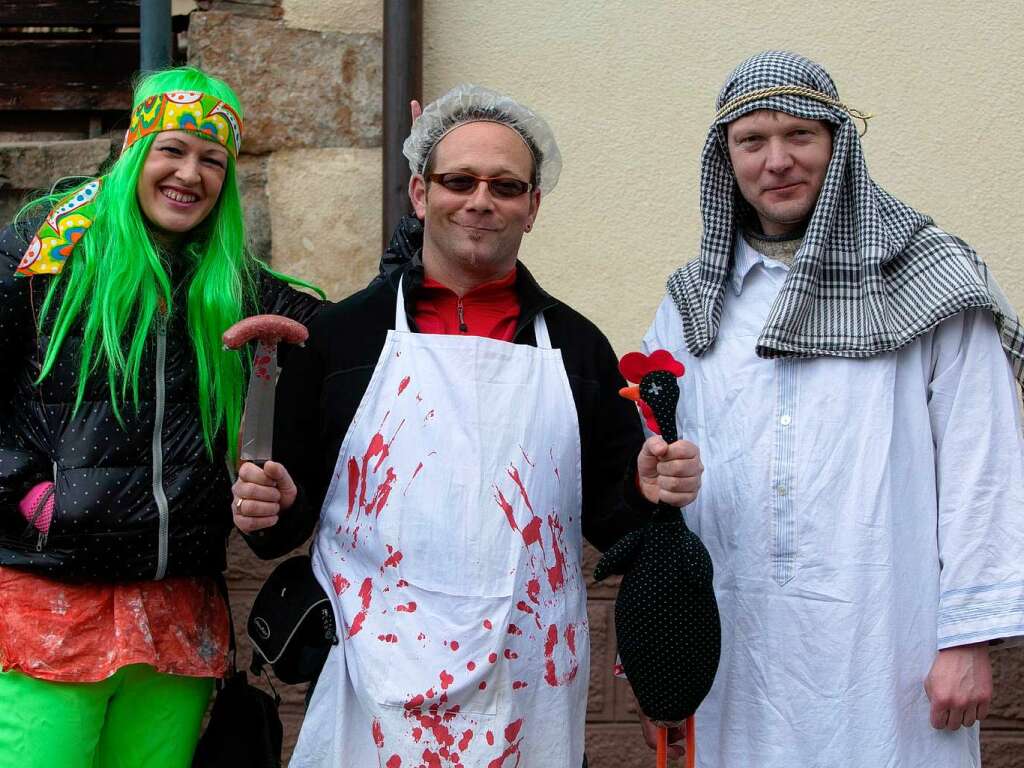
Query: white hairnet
467	103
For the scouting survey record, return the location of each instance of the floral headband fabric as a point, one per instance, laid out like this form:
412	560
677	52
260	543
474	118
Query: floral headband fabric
60	232
192	111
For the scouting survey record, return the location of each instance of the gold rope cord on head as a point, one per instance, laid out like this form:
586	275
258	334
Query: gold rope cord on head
792	90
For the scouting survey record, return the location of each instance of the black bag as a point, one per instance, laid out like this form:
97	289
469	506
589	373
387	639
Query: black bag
245	729
291	625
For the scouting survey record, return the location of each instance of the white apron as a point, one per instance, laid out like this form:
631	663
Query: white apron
450	544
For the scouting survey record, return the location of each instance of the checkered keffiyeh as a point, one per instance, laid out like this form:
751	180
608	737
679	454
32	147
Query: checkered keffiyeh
872	274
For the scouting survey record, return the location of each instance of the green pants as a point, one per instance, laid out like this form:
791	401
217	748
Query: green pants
139	718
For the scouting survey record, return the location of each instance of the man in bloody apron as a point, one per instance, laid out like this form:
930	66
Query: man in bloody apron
460	432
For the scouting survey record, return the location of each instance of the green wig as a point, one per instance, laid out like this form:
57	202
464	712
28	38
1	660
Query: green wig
117	289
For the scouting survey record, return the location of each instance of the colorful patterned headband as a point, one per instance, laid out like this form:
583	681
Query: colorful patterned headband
192	111
60	231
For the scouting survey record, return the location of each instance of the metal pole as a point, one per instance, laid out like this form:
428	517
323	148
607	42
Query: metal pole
154	34
403	81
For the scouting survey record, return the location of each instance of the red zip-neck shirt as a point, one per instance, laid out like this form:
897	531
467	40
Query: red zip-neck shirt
490	309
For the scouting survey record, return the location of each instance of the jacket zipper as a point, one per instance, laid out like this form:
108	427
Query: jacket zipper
462	318
158	459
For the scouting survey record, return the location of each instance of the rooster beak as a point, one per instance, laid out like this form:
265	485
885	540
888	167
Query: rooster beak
630	393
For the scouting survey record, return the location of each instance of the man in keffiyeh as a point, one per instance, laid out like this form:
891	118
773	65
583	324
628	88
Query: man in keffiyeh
853	386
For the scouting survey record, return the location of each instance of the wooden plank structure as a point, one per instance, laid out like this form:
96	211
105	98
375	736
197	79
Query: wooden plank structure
76	55
75	58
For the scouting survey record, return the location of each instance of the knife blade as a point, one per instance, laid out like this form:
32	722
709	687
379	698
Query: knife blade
258	421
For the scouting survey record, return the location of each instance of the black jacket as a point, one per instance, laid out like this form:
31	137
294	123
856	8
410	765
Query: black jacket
324	383
141	501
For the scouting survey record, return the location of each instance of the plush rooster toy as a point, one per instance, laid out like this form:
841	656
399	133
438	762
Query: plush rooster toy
666	616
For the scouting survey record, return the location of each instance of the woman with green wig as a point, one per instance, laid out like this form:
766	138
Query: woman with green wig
119	419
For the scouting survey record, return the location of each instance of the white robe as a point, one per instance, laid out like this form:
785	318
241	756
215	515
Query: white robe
861	515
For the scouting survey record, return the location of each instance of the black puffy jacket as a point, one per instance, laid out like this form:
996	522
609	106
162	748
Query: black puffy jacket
142	501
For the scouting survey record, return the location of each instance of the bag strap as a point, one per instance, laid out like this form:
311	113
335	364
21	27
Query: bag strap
222	587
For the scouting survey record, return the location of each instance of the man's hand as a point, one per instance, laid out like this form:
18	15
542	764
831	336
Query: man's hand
675	737
959	686
669	473
260	495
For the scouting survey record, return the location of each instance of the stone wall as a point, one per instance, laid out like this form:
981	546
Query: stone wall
29	166
311	153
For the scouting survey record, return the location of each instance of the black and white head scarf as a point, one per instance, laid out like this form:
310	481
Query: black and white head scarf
872	273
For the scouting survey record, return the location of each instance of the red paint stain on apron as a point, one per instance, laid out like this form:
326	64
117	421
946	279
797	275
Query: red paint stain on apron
340	583
528	461
393	560
511	732
551	675
556	573
506	507
414	473
374	449
365	591
353	483
513	472
531	533
533	591
380	497
446	681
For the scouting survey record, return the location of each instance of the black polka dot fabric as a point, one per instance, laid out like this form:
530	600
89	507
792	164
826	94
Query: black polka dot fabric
660	390
106	521
666	616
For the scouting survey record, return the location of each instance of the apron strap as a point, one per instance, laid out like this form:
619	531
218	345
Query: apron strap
401	321
540	330
540	327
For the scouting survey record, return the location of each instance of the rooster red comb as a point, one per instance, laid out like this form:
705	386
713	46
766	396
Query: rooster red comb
634	366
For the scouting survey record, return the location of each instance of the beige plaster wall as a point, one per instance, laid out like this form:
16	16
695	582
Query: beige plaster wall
334	15
325	215
629	86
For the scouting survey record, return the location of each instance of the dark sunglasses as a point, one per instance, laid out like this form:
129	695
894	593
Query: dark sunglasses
462	183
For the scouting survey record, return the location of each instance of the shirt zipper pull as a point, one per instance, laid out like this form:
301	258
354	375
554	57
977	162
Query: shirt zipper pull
462	318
